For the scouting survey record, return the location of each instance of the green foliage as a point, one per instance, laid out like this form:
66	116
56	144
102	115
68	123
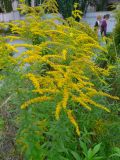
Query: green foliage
66	7
117	37
1	125
39	135
90	154
116	152
101	5
117	30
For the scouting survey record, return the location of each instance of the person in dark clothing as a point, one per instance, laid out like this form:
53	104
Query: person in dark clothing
97	24
104	25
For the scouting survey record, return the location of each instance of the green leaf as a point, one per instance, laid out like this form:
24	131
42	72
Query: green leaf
62	147
90	154
84	147
75	155
117	150
96	148
115	155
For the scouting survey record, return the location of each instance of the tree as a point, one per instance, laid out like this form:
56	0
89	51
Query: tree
6	5
101	5
66	7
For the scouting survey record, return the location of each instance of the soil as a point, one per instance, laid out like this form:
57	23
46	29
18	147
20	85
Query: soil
7	134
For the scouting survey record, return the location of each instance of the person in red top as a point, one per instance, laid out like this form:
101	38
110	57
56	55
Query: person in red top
104	25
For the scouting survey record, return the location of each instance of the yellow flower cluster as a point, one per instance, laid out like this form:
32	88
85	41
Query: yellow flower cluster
73	121
6	51
68	50
34	80
58	110
35	100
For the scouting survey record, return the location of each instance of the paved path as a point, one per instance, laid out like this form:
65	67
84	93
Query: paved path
20	49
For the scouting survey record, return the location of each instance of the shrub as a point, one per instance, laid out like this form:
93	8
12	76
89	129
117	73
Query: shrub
59	78
117	29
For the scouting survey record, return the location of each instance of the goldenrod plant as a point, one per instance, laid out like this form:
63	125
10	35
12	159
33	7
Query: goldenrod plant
59	61
6	51
69	57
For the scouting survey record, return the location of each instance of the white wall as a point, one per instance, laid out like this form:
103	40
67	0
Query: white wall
6	17
14	15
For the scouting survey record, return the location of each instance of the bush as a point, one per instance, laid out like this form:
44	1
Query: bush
117	30
56	82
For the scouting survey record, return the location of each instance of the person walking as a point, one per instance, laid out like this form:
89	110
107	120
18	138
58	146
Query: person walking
97	24
104	25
